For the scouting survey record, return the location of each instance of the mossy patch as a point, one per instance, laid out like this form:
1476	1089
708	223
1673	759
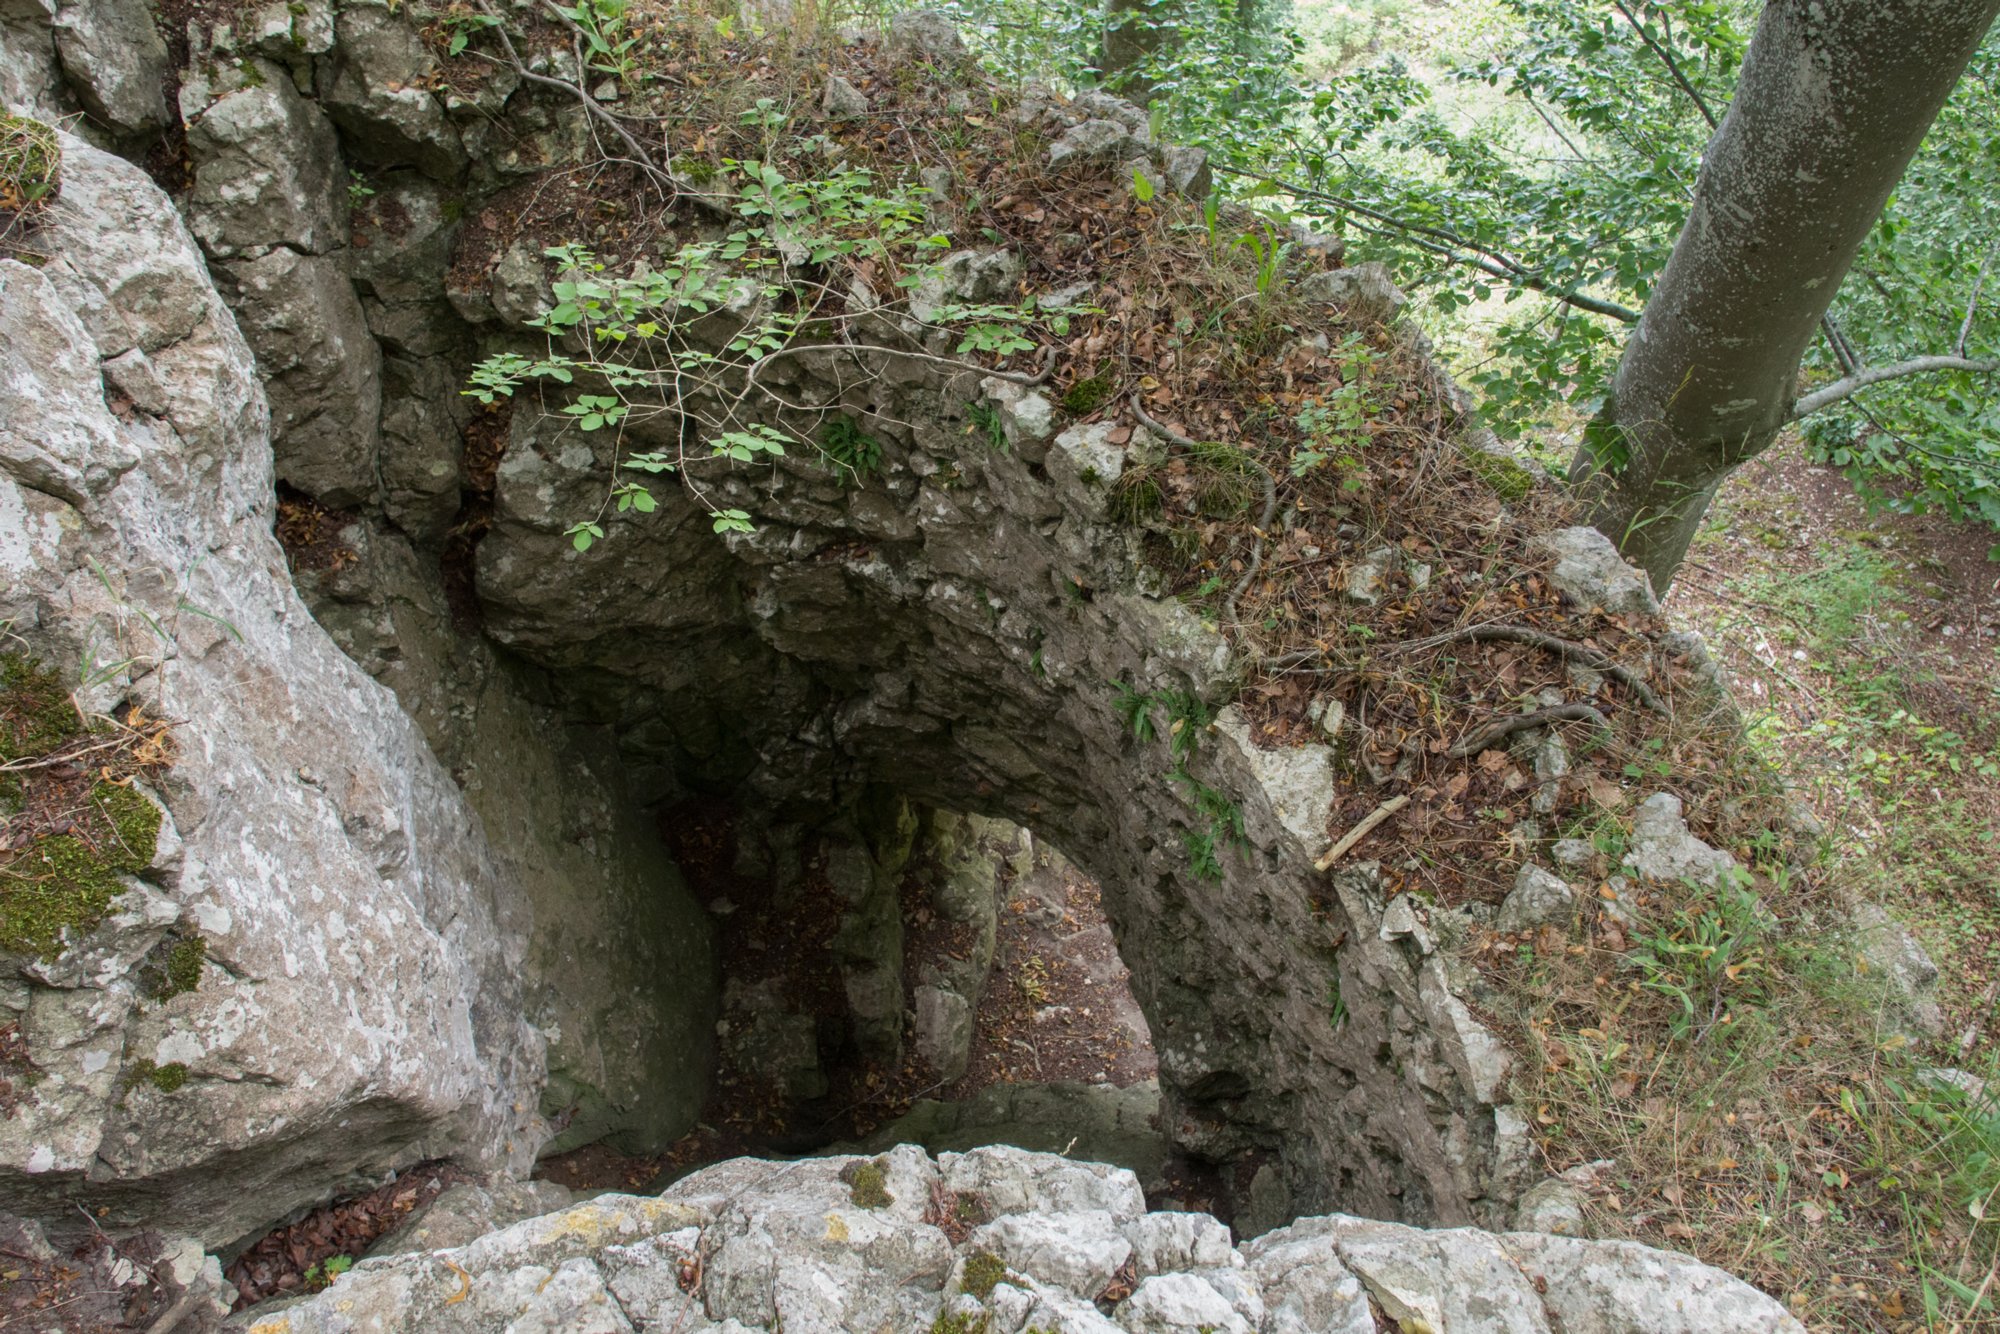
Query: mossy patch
66	882
168	1078
983	1272
174	966
950	1322
867	1185
1505	477
1087	395
75	826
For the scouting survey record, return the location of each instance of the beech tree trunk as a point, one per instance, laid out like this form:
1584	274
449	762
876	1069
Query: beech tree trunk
1834	98
1133	31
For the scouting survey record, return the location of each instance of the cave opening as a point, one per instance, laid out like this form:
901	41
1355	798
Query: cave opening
913	975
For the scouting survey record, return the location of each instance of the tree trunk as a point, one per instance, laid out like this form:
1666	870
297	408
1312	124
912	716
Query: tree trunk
1834	98
1133	31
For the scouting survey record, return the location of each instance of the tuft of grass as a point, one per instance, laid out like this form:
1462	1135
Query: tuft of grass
30	173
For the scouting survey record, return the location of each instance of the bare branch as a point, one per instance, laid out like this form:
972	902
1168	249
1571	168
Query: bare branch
1673	66
1850	385
1972	306
1458	249
640	157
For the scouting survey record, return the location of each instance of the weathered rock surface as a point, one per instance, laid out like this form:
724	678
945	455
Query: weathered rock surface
853	1244
332	870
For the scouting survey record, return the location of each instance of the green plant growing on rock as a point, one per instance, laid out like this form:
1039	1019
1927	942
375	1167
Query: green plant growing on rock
985	419
30	172
852	453
320	1275
867	1184
693	335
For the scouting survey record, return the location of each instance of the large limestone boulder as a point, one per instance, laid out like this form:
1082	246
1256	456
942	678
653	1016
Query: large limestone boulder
356	1004
868	1243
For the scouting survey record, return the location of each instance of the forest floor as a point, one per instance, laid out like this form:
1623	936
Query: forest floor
1865	650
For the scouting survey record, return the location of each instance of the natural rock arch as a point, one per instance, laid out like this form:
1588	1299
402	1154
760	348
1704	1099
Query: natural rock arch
958	628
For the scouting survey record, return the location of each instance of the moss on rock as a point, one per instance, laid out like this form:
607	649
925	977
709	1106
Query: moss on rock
66	882
867	1185
983	1272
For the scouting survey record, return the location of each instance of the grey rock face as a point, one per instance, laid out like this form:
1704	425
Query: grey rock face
322	370
1365	291
1591	573
376	90
923	35
802	1247
326	861
115	61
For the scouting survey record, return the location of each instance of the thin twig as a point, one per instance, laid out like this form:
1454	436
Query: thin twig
176	1313
1521	634
1972	306
1673	66
1256	547
594	108
1501	728
1361	830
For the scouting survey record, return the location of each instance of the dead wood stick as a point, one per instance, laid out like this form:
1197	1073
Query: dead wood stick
1361	831
1480	738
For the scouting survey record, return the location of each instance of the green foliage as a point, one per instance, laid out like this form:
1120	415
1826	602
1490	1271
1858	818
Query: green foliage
319	1276
459	22
631	336
1708	957
607	40
1513	158
1336	428
852	453
1222	827
1187	717
985	419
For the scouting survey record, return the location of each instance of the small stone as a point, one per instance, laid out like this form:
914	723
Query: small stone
1187	171
1096	141
1661	848
1554	1206
1574	852
841	100
1889	950
1537	899
1368	579
1590	572
924	35
1365	292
